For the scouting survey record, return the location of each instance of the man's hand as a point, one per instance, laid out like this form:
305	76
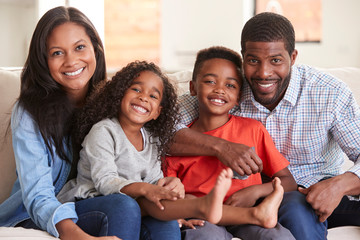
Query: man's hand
239	157
324	197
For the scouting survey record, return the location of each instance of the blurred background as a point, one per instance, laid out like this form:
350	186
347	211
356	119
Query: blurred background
170	32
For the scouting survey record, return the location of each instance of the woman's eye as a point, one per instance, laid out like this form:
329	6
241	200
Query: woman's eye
56	53
80	47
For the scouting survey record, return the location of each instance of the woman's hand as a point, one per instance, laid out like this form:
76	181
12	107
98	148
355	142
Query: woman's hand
173	184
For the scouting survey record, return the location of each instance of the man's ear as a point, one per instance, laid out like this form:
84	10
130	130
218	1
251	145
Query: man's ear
192	86
293	57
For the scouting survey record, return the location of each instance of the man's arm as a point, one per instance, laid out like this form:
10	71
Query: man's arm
239	157
326	195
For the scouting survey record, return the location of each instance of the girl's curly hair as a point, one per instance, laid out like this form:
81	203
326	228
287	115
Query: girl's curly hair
106	102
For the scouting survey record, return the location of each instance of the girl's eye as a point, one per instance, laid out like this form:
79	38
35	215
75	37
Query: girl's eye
154	96
135	89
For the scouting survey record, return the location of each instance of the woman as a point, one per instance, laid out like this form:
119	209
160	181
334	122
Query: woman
66	60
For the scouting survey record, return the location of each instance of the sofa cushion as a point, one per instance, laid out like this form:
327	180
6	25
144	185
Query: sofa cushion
7	233
9	91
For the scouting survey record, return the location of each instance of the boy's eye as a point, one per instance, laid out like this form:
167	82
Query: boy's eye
209	81
229	85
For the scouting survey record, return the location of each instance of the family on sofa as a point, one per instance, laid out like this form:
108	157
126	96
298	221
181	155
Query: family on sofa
311	116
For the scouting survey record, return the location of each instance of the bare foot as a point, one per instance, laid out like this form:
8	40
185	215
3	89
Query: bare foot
267	211
213	202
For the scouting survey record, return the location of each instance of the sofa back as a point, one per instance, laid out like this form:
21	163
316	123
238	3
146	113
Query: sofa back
9	91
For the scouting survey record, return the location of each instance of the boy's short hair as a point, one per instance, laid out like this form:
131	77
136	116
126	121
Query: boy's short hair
217	52
269	27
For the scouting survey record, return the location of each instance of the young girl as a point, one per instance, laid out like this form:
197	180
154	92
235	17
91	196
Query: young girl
126	128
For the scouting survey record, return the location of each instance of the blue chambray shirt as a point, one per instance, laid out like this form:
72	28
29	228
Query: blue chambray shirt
313	126
40	178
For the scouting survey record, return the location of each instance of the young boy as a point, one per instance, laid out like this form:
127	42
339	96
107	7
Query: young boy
216	83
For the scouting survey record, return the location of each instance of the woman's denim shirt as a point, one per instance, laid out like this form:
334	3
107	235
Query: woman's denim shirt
40	178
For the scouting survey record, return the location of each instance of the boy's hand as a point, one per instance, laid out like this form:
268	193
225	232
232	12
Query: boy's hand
191	223
245	197
173	184
156	193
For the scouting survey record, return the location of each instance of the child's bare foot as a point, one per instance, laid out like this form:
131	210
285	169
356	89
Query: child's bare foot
267	211
213	202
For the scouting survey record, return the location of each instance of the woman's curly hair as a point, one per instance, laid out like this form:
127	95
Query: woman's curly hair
106	102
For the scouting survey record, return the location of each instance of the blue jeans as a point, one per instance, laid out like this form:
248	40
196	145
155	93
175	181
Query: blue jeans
112	215
298	216
153	229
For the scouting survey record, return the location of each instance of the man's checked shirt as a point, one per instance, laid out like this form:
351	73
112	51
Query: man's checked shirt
316	122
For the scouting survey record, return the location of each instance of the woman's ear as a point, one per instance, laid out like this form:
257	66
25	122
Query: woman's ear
192	88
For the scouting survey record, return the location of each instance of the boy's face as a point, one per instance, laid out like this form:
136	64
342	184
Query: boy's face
217	87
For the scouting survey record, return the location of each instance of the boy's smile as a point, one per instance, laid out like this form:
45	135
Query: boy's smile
217	87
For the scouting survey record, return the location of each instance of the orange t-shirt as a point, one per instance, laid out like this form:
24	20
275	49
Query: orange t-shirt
199	173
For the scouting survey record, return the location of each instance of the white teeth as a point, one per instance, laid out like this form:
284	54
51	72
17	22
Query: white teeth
266	85
140	109
217	100
74	73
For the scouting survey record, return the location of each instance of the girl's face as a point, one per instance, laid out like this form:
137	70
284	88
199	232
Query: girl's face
141	101
71	59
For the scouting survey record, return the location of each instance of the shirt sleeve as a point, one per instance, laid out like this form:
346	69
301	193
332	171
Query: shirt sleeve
188	109
98	149
34	166
169	170
346	126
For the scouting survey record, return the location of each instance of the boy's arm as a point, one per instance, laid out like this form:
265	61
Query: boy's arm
238	157
247	197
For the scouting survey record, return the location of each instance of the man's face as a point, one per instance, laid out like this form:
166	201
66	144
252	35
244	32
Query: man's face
267	68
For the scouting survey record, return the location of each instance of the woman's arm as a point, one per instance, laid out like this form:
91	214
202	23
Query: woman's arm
36	170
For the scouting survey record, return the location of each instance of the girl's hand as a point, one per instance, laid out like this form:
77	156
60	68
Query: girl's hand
173	184
191	223
156	193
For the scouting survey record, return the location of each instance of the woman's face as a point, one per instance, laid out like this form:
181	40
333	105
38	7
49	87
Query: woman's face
71	59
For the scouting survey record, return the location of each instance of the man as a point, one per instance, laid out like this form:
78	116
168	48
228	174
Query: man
313	119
